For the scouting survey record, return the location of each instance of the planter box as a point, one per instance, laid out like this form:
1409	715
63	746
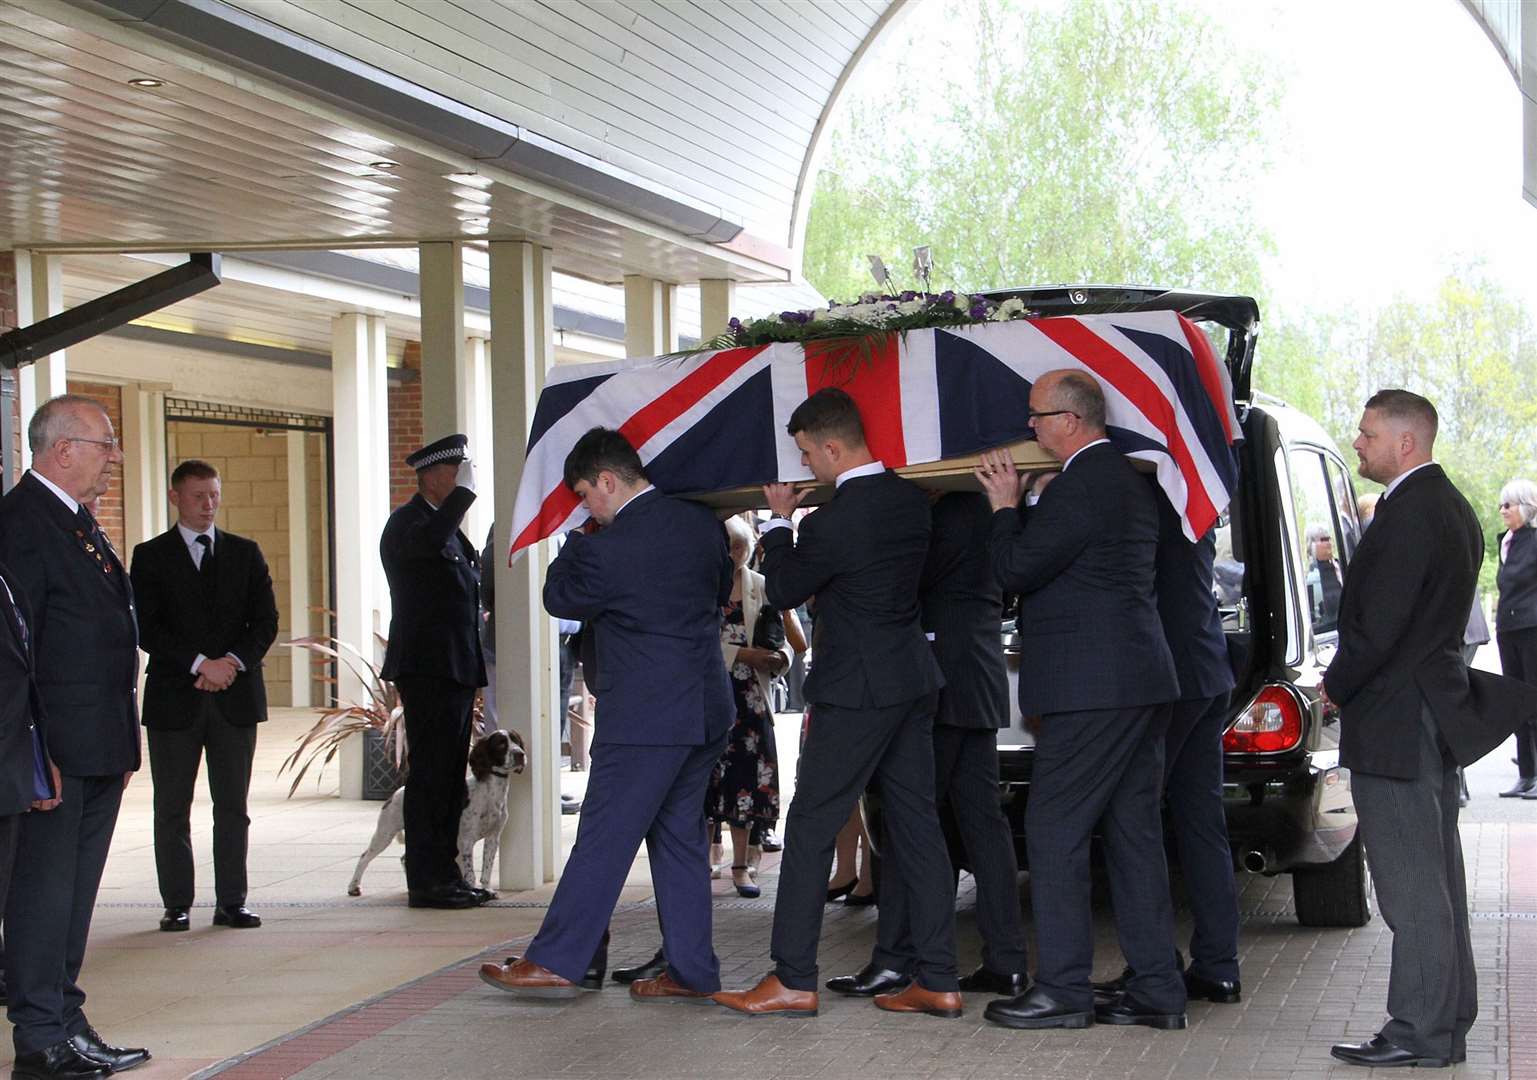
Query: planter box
380	777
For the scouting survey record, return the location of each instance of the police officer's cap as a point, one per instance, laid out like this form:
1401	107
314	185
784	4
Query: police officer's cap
449	450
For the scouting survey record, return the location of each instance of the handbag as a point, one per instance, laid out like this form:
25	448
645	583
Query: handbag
769	632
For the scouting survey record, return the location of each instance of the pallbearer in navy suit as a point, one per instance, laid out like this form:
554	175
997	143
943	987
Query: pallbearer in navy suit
650	587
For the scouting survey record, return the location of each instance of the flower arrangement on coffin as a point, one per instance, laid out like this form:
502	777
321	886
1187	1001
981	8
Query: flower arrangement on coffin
382	711
872	314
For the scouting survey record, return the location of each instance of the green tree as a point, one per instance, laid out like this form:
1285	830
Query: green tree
1106	140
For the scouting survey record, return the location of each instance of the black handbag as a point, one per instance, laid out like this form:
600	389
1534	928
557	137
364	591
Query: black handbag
769	633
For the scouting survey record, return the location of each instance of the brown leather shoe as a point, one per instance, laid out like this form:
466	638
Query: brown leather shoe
769	998
915	999
527	979
665	988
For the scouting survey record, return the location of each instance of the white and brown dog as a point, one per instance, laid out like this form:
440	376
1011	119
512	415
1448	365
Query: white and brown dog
492	760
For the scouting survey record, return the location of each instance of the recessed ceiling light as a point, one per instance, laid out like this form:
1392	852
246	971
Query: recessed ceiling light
147	84
384	165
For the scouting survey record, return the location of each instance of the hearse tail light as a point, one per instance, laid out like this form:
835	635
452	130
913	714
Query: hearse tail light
1271	724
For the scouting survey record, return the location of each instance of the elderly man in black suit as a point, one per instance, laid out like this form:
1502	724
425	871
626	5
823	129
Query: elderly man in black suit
85	644
434	658
962	611
873	692
1096	672
207	617
1411	711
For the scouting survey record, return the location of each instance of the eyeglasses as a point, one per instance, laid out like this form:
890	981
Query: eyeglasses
1033	415
1504	506
110	444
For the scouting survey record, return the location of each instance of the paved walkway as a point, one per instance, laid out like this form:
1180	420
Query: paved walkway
337	987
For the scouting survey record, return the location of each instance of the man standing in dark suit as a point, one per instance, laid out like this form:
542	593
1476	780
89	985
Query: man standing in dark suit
85	645
1096	672
649	587
1410	713
207	617
962	612
434	659
873	692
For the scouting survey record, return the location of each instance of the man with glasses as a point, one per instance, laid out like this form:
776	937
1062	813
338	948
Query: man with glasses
85	643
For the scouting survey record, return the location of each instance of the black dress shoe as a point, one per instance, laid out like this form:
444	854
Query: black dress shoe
1218	991
1378	1053
983	981
1523	785
869	899
175	919
1109	990
838	892
651	969
870	981
1123	1010
238	917
61	1061
1036	1009
453	897
117	1058
593	980
482	896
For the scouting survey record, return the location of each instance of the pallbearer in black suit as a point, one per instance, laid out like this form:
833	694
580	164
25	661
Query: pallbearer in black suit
1096	672
85	648
962	611
434	658
207	617
873	692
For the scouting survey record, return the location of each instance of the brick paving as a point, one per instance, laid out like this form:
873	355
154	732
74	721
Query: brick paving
1303	990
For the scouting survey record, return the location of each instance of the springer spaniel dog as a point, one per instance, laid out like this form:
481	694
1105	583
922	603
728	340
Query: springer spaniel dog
492	760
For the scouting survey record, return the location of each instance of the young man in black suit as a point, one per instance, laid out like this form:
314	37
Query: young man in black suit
434	659
1096	671
85	647
207	617
1411	711
873	693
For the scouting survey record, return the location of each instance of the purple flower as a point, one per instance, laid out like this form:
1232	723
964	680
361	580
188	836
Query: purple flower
947	297
797	317
907	295
979	310
735	323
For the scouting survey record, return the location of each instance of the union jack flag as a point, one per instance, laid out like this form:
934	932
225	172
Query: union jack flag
716	420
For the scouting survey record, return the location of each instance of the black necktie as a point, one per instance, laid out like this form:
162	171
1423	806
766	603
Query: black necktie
205	565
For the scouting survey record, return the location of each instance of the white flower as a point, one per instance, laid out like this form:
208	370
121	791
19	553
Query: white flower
743	805
1012	308
962	302
911	307
765	774
819	315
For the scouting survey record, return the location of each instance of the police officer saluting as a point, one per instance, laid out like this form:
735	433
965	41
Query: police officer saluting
435	661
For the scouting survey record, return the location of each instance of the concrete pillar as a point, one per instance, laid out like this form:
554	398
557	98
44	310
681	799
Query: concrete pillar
475	406
39	294
146	479
443	370
650	325
299	599
522	348
716	299
378	475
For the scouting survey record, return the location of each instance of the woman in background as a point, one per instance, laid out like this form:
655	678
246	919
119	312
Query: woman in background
1515	618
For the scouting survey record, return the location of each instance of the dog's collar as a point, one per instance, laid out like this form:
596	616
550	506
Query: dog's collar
499	772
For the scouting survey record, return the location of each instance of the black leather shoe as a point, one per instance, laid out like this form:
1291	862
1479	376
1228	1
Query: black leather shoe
239	917
1110	989
61	1061
869	899
593	980
1523	785
1125	1011
117	1058
453	897
1036	1009
1217	991
983	981
651	969
482	896
870	981
1378	1053
175	919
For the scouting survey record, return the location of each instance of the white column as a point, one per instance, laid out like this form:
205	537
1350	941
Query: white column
357	551
378	464
716	299
522	347
475	406
145	475
443	371
650	328
39	294
299	565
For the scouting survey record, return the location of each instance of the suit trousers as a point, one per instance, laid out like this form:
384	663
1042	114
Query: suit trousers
59	859
844	749
1518	659
1193	791
1409	829
638	793
10	835
438	714
966	777
174	757
1101	767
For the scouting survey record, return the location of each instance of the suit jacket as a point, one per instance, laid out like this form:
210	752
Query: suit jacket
1083	562
961	604
649	590
862	556
1402	616
182	614
1517	579
1187	607
20	706
434	576
84	634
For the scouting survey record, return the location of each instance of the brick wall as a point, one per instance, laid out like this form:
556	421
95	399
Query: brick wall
405	415
110	512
